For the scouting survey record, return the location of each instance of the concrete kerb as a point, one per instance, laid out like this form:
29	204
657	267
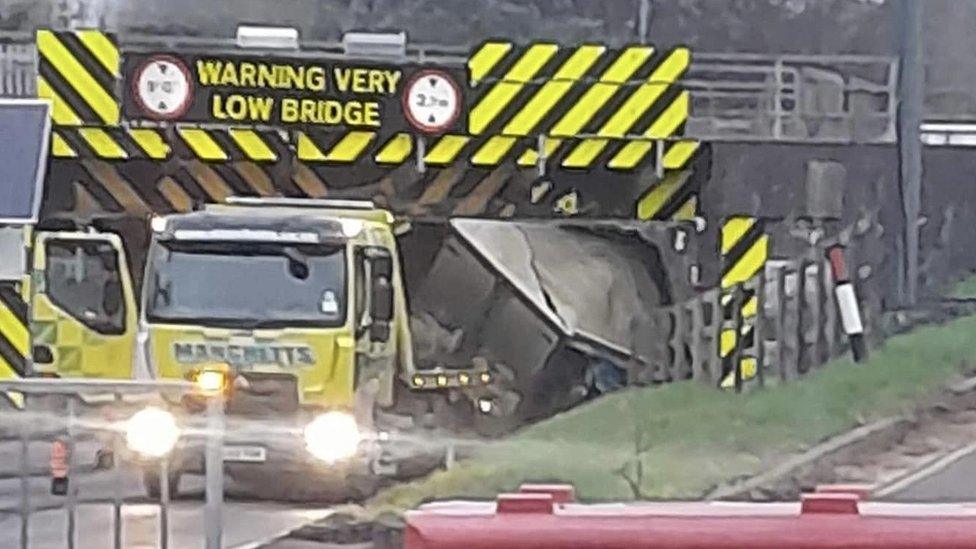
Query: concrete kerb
826	448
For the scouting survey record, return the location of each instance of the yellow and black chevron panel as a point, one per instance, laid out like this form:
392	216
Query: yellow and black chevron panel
352	147
79	72
744	251
586	91
109	143
209	145
226	145
15	341
675	196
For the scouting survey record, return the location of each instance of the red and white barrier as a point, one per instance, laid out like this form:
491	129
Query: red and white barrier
850	312
543	517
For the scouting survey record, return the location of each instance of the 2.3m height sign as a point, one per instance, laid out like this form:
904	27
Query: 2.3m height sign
258	90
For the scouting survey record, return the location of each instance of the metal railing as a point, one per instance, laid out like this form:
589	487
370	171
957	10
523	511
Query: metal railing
64	415
18	69
794	98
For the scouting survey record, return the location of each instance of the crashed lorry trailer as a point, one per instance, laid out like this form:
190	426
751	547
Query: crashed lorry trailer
444	309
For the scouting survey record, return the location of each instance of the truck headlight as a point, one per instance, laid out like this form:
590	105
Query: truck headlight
152	432
332	436
210	382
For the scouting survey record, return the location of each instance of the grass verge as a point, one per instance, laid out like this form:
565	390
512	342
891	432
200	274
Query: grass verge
965	288
680	440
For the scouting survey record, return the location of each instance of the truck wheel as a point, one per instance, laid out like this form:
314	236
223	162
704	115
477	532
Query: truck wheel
150	479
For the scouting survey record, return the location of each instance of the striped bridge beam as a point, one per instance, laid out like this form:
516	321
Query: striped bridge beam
580	108
587	102
110	144
218	163
78	71
744	251
327	155
127	170
675	195
331	161
453	182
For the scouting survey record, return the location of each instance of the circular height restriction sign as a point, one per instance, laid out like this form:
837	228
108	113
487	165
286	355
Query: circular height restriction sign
431	101
162	87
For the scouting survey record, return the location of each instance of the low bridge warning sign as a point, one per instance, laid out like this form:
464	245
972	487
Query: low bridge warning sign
257	90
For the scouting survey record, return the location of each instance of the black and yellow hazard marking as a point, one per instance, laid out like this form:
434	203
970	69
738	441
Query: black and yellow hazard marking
15	341
446	150
210	145
396	150
227	145
687	211
122	170
108	143
78	72
619	100
345	149
744	251
671	116
490	105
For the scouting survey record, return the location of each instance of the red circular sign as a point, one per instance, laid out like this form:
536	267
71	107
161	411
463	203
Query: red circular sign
162	87
431	101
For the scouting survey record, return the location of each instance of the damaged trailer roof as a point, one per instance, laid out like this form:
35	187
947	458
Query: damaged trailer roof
589	281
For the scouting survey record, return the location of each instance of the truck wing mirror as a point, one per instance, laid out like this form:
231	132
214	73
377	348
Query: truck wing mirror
379	331
381	263
381	305
112	297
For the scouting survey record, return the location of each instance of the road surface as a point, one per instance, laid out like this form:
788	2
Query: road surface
951	478
245	522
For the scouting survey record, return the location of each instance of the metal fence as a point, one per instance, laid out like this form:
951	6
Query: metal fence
80	425
18	69
796	98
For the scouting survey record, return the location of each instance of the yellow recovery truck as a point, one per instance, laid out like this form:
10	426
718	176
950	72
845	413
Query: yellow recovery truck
303	302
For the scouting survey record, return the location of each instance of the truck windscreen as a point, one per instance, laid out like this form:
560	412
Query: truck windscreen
247	284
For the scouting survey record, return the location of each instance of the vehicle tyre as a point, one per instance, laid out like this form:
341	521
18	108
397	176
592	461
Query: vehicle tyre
104	459
153	485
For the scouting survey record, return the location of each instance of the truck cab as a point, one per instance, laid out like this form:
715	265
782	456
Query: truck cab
83	314
303	292
305	295
302	303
